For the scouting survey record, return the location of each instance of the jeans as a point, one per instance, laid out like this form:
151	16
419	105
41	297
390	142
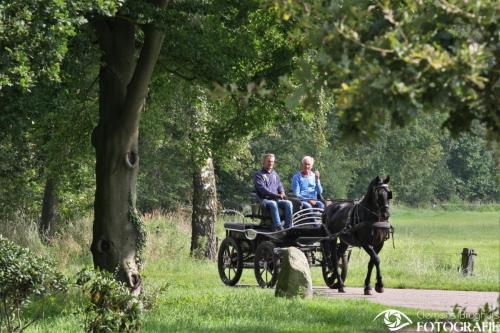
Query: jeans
319	204
273	205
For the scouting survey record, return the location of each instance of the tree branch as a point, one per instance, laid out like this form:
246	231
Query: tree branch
354	40
452	9
182	76
138	86
103	33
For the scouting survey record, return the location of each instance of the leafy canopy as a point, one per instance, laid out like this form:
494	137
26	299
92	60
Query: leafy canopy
34	36
391	59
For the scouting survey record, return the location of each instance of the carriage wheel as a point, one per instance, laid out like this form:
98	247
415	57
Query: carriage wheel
230	261
327	269
266	265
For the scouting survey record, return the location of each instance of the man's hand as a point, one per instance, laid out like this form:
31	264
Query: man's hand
317	174
281	195
313	202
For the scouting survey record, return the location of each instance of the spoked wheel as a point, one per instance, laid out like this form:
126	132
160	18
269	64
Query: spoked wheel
266	265
230	261
327	268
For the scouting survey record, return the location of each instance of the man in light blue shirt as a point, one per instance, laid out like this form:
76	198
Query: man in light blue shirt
306	185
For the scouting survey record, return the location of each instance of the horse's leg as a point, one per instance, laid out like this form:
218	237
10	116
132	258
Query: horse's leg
328	248
368	288
374	260
379	285
335	262
340	254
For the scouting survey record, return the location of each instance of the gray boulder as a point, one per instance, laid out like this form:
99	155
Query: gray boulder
294	278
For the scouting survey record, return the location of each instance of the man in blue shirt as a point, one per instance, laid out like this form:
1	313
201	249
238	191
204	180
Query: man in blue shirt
306	185
270	189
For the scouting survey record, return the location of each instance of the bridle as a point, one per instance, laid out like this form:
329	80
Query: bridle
376	190
356	223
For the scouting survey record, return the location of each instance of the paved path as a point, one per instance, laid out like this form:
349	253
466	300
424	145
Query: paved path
437	300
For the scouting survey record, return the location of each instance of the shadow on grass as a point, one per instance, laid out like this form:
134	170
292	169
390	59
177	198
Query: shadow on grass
256	310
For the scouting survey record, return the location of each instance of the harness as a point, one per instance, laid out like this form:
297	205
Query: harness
354	222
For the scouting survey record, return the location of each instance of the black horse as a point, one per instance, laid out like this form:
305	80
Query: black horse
361	224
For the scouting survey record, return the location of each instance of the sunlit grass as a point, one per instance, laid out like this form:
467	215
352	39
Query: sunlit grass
427	255
428	251
428	246
194	300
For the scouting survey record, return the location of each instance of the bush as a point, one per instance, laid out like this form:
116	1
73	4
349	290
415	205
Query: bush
23	277
112	306
487	315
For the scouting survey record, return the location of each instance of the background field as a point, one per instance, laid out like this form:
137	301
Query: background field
428	246
427	254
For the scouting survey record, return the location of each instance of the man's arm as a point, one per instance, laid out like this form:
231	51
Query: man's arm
319	188
260	187
296	187
281	188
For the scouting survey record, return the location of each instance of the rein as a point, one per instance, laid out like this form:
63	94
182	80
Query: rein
371	211
354	223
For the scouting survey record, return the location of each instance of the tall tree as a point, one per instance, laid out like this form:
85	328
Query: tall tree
123	80
203	237
50	204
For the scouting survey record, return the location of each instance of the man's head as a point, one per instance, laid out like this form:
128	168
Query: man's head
307	163
268	162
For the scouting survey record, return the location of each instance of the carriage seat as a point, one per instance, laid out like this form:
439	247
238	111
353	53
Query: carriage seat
302	215
259	212
297	203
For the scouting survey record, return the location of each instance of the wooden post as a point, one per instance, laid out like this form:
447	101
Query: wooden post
468	261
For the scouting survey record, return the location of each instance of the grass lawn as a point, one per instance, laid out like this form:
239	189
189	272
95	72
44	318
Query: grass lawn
428	251
427	254
195	301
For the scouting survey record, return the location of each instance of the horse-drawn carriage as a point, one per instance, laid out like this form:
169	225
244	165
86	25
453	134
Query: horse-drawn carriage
255	245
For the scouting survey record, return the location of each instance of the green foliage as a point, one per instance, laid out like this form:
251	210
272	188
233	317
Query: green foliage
184	128
141	235
24	278
238	46
423	162
34	37
20	189
198	252
390	59
196	301
164	179
428	246
473	167
47	135
112	306
483	316
409	61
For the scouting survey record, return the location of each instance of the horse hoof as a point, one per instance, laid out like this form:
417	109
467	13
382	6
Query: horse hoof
379	289
368	292
341	290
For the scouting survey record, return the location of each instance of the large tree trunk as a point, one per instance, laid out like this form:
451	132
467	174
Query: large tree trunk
50	206
118	232
203	239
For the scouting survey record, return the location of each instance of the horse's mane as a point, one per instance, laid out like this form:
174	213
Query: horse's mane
375	181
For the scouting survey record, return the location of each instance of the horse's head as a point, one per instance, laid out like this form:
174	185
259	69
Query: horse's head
380	195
